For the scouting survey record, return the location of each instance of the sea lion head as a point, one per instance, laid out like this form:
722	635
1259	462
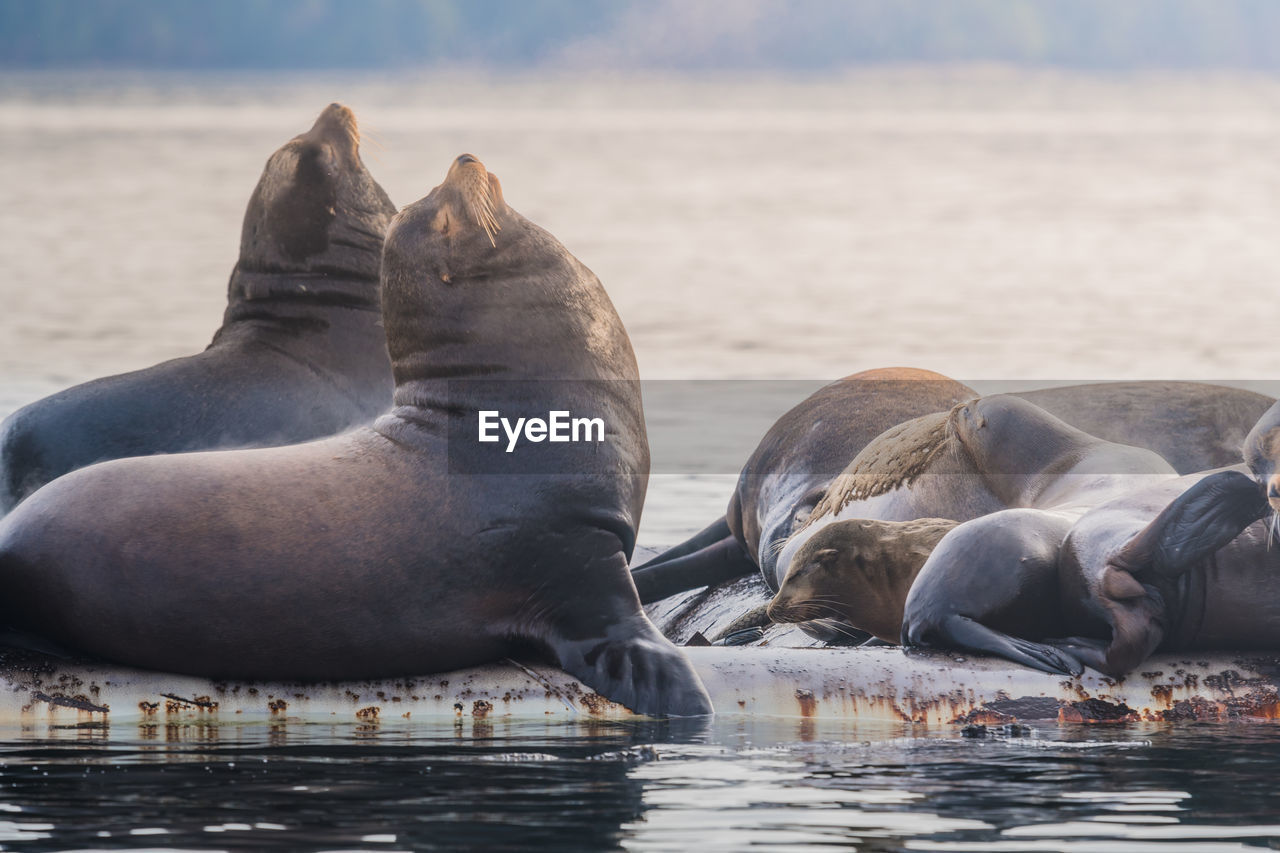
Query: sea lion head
316	208
1262	454
458	227
858	571
1012	443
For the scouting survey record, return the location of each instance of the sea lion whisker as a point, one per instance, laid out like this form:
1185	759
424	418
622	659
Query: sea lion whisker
840	628
812	606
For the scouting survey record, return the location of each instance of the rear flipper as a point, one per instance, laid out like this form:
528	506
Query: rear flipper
636	666
721	561
961	632
1089	651
1194	525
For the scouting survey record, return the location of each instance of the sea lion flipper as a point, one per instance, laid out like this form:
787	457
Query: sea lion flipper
1197	523
1089	651
637	668
961	632
709	535
721	561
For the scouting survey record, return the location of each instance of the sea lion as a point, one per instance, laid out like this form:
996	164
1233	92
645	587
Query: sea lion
994	453
869	569
1185	564
871	575
1182	565
407	546
789	472
1196	426
859	572
301	352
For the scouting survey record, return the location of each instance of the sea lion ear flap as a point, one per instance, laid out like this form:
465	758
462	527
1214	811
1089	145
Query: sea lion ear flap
1198	522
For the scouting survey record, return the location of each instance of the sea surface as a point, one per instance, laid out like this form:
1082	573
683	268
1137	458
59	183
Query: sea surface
1004	228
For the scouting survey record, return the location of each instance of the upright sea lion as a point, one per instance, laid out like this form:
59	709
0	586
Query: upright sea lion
301	352
1195	425
408	546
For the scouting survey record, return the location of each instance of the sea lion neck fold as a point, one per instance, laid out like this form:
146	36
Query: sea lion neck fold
314	226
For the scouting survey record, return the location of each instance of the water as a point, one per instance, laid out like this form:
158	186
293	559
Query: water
780	785
989	225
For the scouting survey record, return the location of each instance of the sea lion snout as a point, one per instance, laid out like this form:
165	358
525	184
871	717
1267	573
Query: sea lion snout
470	194
335	126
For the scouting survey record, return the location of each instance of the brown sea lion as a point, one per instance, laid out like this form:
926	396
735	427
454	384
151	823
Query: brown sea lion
408	546
858	572
301	353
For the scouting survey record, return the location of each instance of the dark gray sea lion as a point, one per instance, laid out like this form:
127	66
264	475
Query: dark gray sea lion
1195	425
1184	565
408	546
1188	565
301	353
790	470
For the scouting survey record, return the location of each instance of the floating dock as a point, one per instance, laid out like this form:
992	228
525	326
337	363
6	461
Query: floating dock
870	684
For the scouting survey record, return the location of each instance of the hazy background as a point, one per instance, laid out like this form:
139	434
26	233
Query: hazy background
994	189
682	34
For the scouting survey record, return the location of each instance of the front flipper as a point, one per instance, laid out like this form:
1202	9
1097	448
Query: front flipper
709	535
961	632
721	561
1197	523
635	666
